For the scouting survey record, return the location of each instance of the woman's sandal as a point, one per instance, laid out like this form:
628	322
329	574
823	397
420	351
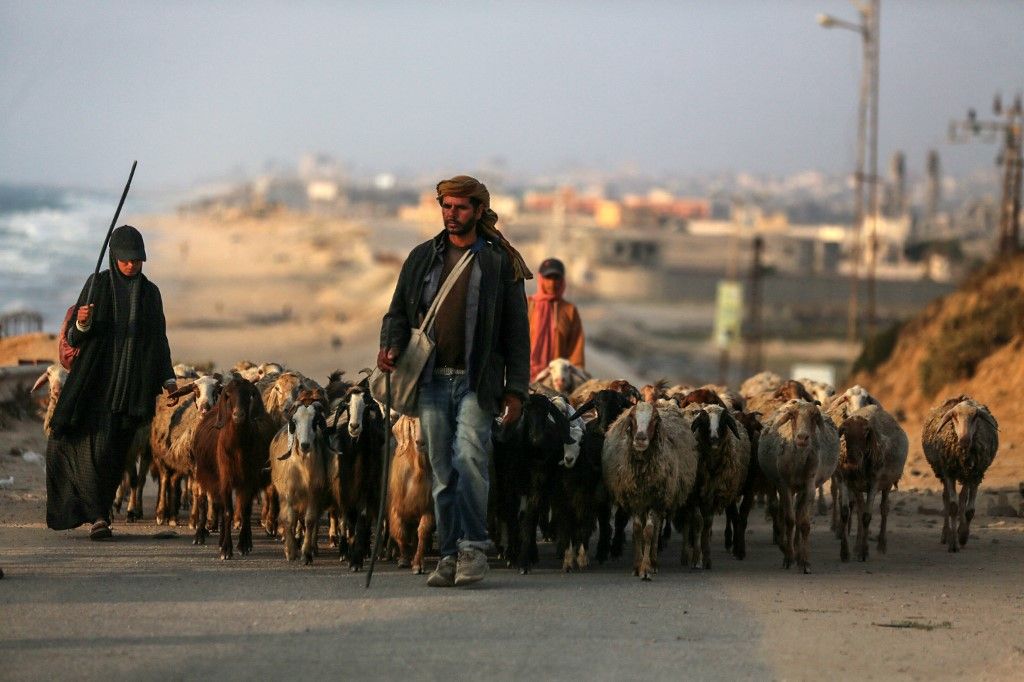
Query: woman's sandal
100	531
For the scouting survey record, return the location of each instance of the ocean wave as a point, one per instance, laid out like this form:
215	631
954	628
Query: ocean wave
48	248
19	198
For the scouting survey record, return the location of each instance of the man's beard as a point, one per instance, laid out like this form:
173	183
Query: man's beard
460	229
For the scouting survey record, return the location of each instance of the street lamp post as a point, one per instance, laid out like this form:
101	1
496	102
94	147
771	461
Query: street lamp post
867	112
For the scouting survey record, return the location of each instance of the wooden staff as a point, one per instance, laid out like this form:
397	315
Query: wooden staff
99	261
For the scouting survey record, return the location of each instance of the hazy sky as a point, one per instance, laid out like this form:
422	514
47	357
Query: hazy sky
196	89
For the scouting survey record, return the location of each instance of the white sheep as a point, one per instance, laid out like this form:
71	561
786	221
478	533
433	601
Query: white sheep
247	369
649	461
851	400
872	455
267	369
797	452
562	375
960	438
183	371
819	390
54	376
762	382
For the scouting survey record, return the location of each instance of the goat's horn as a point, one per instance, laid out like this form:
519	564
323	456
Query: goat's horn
582	409
39	382
182	391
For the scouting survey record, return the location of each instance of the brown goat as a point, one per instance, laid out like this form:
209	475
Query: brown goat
409	499
171	421
231	448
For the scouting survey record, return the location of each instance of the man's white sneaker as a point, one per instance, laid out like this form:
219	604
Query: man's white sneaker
444	574
471	567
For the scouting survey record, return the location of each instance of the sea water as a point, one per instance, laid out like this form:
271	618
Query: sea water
49	242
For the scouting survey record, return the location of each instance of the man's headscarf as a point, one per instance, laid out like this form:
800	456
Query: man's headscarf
465	186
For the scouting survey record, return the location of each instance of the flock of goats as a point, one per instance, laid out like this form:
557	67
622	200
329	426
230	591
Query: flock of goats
586	453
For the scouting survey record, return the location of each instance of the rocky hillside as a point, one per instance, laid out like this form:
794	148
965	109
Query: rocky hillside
972	342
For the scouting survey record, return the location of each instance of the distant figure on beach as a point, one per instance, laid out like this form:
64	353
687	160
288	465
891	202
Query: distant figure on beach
124	360
556	330
480	366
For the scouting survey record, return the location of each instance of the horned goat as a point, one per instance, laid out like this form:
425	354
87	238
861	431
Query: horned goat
302	468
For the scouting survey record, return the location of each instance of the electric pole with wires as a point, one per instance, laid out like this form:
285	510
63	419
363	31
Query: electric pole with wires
1009	158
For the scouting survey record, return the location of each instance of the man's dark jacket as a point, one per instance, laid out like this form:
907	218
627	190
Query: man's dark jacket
499	359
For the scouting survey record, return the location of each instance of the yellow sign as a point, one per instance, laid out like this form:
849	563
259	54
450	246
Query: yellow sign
728	313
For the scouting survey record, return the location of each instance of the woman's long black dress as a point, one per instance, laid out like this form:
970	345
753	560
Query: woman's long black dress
110	391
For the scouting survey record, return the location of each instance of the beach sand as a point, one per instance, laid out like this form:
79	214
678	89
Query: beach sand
305	291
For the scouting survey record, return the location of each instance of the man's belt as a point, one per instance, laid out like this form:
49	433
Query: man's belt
448	371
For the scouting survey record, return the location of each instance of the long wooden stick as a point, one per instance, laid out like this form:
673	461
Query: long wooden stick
384	479
117	213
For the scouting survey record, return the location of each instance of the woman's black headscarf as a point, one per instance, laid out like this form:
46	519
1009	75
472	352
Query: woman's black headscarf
125	244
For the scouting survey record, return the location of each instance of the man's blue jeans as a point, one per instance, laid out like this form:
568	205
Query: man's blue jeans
458	435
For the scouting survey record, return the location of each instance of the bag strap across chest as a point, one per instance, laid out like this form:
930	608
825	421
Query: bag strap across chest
444	290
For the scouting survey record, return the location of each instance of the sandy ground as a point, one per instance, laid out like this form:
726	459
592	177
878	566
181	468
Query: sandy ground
149	604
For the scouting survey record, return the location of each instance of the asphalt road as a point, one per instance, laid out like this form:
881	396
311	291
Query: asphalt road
153	608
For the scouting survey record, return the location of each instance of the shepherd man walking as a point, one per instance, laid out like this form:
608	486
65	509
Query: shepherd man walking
480	366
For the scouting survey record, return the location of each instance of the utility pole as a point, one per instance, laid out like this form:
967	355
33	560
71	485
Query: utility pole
867	136
934	196
755	325
871	54
1009	157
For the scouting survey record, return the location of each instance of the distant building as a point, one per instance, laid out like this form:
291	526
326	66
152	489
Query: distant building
427	212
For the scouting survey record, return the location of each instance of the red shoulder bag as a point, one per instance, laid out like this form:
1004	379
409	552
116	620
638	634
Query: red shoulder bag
67	353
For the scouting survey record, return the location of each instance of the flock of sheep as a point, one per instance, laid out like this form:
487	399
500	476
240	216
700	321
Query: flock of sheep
586	455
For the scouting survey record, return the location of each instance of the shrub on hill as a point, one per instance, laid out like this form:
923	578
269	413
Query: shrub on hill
971	335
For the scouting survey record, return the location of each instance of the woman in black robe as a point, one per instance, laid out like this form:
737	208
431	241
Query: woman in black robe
123	362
